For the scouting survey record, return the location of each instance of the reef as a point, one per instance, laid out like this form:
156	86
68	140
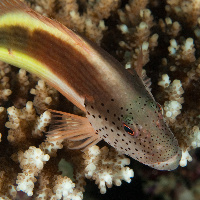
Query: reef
168	33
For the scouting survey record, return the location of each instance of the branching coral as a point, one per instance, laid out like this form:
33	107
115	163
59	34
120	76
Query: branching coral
90	21
5	91
137	37
25	124
106	167
31	162
45	97
3	116
21	86
182	9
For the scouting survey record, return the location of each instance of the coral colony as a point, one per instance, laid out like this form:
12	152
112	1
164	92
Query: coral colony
169	34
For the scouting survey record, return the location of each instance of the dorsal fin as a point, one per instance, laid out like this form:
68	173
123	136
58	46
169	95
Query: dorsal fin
12	5
139	66
142	73
147	82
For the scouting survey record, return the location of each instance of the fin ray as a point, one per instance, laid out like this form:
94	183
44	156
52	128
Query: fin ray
10	5
75	128
85	144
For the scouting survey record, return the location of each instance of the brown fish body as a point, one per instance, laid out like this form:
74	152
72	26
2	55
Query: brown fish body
117	104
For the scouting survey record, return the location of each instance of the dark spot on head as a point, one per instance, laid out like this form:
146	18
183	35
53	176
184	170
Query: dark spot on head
112	99
102	104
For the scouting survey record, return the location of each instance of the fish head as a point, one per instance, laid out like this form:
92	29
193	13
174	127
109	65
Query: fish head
153	142
138	130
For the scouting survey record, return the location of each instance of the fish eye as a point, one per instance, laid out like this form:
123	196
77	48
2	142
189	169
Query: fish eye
128	130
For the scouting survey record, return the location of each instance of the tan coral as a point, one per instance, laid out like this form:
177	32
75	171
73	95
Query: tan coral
5	90
106	167
137	38
3	116
7	180
31	162
44	7
25	124
45	96
21	86
182	9
101	9
132	11
169	27
50	147
90	21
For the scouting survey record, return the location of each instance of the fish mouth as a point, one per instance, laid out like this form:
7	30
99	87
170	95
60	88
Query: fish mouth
168	165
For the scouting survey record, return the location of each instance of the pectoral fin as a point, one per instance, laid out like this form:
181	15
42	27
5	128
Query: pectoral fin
74	128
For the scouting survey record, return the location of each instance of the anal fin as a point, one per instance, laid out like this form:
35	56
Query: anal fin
74	128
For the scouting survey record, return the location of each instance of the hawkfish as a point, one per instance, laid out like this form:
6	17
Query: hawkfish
119	108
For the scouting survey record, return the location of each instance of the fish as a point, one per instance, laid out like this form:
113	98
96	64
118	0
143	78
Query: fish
119	108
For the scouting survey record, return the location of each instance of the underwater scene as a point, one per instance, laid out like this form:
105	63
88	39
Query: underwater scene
133	131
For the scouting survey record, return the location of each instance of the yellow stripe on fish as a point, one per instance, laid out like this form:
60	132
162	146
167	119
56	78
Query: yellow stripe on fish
118	106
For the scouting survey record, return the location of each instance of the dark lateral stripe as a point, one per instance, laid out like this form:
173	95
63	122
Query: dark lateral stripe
60	57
